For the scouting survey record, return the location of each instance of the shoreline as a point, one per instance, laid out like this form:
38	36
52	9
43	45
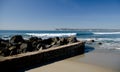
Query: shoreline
69	66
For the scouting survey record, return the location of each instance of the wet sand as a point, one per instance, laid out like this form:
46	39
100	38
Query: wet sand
69	66
98	60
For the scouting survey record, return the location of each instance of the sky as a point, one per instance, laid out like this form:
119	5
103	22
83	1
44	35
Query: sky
51	14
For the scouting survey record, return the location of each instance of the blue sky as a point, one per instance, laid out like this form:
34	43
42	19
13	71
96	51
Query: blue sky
51	14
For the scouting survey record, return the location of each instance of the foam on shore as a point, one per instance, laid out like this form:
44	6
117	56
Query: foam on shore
106	33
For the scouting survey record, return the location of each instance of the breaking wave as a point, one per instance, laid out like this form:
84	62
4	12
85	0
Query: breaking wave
51	34
107	43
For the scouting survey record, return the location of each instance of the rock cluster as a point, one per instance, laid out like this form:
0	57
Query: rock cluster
17	44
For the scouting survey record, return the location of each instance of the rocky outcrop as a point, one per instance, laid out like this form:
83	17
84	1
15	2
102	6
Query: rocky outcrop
71	39
16	39
26	60
17	44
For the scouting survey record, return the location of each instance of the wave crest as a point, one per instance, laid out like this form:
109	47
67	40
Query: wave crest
51	34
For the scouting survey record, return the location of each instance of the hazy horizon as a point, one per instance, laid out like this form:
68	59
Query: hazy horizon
52	14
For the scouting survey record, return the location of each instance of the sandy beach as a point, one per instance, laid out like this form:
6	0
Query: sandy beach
98	60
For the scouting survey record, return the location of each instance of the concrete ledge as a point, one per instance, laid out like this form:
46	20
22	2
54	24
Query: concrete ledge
39	57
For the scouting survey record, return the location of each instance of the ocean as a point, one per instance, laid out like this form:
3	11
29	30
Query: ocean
109	39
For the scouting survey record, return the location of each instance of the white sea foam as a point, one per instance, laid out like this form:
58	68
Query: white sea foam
118	48
106	32
108	39
100	39
86	39
107	43
51	34
110	46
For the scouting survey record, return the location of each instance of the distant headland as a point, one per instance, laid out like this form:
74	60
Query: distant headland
68	29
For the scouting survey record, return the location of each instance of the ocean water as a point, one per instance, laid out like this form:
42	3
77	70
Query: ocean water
109	39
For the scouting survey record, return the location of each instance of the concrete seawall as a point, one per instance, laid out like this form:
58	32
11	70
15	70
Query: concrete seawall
41	57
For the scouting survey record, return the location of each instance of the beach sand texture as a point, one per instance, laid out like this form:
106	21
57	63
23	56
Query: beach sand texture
94	61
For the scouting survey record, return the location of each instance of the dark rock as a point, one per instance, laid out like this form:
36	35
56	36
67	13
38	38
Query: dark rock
91	40
59	43
50	41
48	46
43	46
47	41
39	39
71	39
8	45
13	50
17	44
100	43
0	52
34	44
53	43
23	48
33	39
55	39
63	41
16	39
3	45
38	46
1	40
5	52
30	47
9	51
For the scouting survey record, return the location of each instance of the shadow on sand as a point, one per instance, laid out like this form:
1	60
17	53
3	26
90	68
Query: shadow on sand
86	50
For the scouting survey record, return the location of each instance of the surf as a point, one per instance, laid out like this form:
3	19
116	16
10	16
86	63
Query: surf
103	33
51	34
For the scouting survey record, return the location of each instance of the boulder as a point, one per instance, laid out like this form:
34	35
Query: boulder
1	40
63	41
100	43
58	43
91	40
9	51
47	41
30	47
34	44
5	52
13	50
23	48
71	39
45	46
17	44
32	39
3	45
16	39
39	39
55	39
38	46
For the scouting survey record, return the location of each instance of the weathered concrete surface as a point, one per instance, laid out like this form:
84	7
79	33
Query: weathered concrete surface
38	57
